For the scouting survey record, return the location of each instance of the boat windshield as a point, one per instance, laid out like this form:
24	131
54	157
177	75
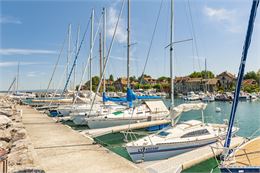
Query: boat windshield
196	133
163	133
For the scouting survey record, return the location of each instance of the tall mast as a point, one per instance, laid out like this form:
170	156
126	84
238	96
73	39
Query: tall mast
104	47
171	54
241	71
68	51
128	43
77	47
91	45
206	75
100	55
17	78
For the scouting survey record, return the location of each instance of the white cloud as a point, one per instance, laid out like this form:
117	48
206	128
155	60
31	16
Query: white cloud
35	74
9	20
220	14
223	16
121	34
14	63
14	51
123	58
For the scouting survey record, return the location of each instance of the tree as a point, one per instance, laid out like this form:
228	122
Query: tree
203	74
251	75
157	87
111	77
132	78
163	78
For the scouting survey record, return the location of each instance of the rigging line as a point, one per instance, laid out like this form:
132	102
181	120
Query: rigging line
88	61
108	54
75	59
194	35
55	66
151	42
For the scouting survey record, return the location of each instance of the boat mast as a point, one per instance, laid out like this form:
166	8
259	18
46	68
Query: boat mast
104	48
247	42
128	43
68	51
171	54
206	76
100	56
77	47
17	78
91	54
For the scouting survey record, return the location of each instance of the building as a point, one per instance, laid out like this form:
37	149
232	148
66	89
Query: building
120	83
149	80
249	82
226	80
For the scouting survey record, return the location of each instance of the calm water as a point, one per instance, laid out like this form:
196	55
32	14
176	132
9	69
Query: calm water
247	117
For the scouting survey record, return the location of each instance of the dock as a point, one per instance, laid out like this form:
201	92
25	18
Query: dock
184	161
103	131
61	149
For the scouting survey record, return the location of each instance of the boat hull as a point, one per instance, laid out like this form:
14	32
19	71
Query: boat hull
94	123
164	151
240	170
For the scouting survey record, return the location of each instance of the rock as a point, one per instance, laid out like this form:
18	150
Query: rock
18	133
5	135
4	145
4	121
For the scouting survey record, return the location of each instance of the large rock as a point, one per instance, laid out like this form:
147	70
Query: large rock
5	135
18	134
4	121
4	145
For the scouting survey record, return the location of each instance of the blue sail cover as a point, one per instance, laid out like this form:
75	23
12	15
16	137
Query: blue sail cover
130	97
241	71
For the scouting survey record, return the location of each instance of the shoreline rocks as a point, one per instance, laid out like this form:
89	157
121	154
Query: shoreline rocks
14	139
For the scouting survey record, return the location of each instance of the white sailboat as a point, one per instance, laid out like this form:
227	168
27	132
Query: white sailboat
178	139
147	111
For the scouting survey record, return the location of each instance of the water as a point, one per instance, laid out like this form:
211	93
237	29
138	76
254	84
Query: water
247	119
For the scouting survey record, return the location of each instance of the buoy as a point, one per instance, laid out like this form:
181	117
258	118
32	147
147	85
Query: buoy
218	109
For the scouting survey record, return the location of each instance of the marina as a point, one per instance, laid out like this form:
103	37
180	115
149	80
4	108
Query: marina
168	118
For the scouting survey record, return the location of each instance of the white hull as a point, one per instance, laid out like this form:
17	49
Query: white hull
103	123
164	151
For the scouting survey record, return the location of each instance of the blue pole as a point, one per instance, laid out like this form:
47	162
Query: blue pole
241	71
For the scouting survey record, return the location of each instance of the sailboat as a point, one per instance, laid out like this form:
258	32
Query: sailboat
146	111
245	158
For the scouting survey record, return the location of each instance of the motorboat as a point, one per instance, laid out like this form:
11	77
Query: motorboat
178	138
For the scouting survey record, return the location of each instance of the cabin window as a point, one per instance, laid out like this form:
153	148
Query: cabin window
196	133
163	133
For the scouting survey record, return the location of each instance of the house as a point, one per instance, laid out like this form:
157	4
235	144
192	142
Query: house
180	84
249	82
149	80
226	80
120	83
195	84
211	84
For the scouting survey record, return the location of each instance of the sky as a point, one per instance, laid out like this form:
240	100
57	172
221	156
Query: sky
33	32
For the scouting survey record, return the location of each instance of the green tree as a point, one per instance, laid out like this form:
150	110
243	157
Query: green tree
157	87
111	89
202	74
132	78
111	77
251	75
147	86
163	78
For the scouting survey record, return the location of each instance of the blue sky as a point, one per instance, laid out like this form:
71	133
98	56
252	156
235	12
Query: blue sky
32	32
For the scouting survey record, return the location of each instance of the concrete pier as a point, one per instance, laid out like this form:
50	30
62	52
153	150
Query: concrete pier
61	149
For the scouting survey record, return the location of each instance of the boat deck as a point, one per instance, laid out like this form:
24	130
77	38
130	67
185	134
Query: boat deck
248	154
61	149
